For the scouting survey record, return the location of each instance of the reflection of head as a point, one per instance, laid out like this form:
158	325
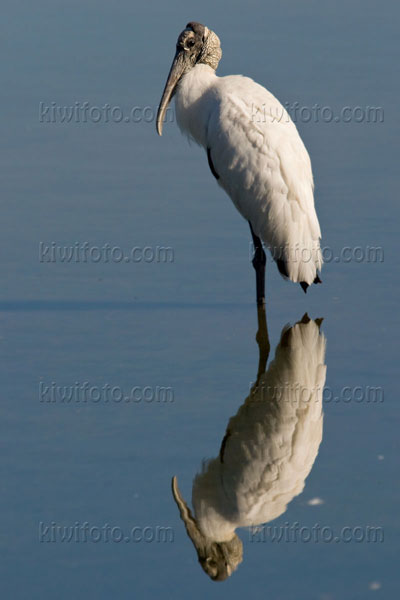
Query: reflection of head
218	559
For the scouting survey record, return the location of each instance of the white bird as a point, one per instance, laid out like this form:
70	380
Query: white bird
268	450
254	151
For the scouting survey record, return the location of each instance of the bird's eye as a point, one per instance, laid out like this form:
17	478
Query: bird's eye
190	43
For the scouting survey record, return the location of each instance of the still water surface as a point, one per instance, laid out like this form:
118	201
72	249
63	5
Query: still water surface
181	333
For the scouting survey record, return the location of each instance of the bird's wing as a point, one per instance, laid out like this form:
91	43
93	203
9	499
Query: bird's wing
263	165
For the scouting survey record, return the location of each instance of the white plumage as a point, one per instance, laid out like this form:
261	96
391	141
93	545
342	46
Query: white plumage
271	443
260	159
254	151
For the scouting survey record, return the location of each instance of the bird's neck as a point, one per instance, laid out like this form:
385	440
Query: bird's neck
213	511
193	102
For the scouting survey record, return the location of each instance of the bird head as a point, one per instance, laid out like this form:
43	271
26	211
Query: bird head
196	45
218	559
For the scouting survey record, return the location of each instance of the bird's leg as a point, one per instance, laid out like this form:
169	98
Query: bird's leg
259	261
262	340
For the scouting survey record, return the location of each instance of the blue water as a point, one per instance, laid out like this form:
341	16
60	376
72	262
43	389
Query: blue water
186	324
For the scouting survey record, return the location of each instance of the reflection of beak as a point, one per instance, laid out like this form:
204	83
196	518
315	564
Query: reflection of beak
191	526
218	559
177	69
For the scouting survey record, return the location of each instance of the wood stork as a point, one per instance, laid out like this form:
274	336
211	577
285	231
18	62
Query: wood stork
254	151
268	450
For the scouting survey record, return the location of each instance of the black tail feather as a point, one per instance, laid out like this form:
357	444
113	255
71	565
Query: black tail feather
305	285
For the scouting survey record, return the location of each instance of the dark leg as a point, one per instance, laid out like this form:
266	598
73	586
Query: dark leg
259	262
262	340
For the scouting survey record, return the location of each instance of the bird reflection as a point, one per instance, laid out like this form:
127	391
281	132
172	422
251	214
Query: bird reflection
267	452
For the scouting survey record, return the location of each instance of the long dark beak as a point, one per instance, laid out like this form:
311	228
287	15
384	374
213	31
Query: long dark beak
175	73
191	526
